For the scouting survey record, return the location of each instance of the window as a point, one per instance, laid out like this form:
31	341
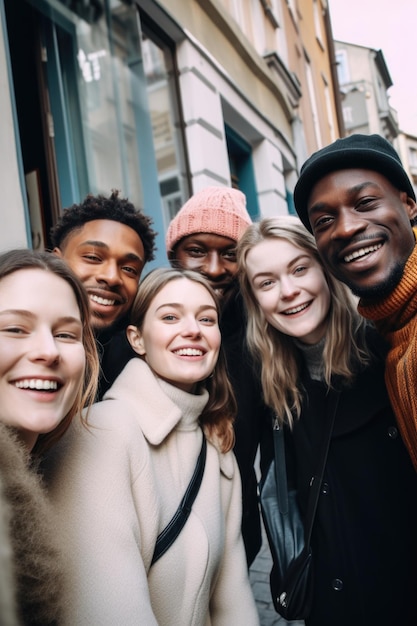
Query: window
318	22
342	67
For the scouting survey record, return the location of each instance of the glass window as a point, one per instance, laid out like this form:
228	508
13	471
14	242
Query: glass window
159	74
342	67
122	106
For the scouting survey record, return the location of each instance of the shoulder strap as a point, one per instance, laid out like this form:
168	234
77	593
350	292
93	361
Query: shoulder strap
317	479
167	537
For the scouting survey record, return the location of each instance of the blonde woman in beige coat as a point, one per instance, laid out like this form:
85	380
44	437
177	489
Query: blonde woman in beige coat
117	486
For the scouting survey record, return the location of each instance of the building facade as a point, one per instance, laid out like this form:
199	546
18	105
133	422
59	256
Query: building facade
364	81
158	99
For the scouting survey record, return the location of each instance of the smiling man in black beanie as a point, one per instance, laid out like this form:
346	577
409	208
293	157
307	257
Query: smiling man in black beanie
356	198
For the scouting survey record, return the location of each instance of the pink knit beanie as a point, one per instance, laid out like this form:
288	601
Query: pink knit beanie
217	210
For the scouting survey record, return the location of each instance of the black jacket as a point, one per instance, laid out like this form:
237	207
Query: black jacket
252	421
114	352
365	534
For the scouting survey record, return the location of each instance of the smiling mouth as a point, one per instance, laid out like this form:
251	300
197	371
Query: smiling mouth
38	384
361	253
102	301
189	352
296	309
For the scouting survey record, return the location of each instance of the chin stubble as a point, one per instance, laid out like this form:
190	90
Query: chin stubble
380	290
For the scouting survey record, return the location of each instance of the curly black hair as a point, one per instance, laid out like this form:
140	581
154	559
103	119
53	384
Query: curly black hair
102	208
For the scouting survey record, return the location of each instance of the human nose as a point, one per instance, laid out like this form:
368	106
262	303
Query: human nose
109	272
214	267
191	327
288	288
347	225
44	347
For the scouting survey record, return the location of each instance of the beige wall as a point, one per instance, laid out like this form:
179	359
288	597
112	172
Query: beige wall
302	40
209	22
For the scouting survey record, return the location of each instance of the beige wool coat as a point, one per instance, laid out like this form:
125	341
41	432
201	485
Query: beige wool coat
115	488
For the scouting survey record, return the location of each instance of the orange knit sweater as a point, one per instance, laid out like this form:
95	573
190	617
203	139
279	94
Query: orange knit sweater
395	317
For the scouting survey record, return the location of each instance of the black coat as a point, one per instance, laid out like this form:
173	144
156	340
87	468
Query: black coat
365	534
252	421
114	352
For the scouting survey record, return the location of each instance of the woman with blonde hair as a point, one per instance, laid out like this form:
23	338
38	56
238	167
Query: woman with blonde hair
311	344
48	372
118	487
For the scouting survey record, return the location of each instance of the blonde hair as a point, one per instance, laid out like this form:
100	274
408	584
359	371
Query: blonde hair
219	413
22	259
344	347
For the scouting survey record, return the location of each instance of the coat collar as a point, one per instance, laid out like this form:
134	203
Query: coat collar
139	387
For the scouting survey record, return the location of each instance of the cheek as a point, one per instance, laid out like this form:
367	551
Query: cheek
190	263
79	267
231	268
266	303
184	261
10	353
131	288
216	340
76	361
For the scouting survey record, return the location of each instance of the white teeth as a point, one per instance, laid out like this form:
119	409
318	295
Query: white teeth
189	352
37	383
296	309
104	301
362	252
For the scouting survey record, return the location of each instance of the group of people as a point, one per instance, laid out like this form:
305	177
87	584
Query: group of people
121	399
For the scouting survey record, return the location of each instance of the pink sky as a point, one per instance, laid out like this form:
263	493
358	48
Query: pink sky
374	24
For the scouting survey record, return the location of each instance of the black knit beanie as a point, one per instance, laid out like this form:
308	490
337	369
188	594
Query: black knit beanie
371	152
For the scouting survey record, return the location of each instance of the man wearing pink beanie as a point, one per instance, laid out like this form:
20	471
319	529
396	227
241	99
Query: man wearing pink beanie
204	233
203	237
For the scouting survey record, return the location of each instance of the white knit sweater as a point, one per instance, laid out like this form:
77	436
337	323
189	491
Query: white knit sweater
117	486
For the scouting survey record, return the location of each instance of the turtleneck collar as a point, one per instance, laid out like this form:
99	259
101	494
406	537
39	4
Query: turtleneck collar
191	405
158	406
396	310
313	356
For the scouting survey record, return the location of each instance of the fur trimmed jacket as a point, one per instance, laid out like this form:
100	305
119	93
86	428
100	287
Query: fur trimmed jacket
31	581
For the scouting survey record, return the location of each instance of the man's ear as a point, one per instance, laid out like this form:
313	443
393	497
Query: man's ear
57	252
135	339
410	207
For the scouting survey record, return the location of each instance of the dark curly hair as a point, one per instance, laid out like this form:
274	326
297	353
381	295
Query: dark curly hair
102	208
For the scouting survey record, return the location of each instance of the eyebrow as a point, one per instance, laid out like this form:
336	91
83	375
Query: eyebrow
178	305
130	256
319	206
292	262
23	313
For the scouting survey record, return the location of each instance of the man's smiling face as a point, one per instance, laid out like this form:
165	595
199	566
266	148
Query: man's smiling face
361	223
108	257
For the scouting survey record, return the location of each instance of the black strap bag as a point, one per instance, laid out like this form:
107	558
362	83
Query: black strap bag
171	531
291	578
